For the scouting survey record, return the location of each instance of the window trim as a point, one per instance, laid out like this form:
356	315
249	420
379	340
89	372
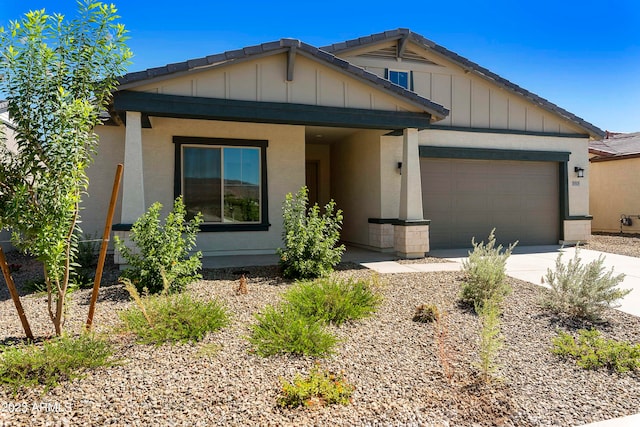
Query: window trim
407	72
264	224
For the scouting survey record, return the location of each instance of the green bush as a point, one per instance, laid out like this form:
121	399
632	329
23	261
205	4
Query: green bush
309	238
158	319
319	388
591	351
162	249
283	329
334	301
490	338
59	359
583	291
86	261
485	272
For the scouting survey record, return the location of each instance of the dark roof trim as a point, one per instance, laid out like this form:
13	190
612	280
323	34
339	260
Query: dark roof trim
192	107
492	154
284	45
611	157
468	66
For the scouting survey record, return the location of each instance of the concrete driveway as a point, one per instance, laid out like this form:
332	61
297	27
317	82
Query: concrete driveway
530	263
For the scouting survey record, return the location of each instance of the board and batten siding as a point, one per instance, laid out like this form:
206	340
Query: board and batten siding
473	101
264	80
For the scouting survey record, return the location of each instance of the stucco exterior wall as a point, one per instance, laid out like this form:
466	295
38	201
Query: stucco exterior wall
264	79
390	177
578	187
355	183
472	100
614	192
285	173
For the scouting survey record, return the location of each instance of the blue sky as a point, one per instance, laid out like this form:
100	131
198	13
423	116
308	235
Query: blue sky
582	55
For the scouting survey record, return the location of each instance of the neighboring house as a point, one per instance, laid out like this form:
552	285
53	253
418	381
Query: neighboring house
613	182
419	147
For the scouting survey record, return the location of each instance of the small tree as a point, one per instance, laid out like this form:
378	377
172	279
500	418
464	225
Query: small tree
58	76
310	238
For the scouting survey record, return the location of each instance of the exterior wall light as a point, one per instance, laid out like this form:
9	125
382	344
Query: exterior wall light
579	171
400	168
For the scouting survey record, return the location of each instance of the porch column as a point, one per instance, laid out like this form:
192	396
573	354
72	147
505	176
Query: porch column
410	182
132	180
411	233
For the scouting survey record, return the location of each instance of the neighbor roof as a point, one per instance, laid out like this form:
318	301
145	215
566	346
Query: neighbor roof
616	146
283	45
468	65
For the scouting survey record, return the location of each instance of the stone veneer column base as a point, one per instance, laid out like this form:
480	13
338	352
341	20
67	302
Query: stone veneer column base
576	231
381	235
411	238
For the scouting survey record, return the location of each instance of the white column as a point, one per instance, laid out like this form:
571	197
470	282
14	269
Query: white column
132	179
411	183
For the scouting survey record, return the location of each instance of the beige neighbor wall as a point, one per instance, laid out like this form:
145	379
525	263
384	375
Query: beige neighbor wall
285	173
7	133
615	192
355	183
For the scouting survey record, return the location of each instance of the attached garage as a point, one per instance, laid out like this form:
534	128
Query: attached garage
467	197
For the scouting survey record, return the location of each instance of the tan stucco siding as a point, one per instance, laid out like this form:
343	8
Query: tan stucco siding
614	192
578	188
355	183
285	173
473	101
264	79
390	156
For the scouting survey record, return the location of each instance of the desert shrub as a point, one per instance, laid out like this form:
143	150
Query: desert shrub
592	351
172	318
426	313
583	290
310	238
56	360
86	261
283	329
490	337
319	388
485	272
162	249
333	300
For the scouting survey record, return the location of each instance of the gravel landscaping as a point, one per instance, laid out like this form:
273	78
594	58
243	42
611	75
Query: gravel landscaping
392	361
621	244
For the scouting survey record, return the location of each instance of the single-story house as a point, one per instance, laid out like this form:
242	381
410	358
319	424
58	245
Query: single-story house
614	173
420	147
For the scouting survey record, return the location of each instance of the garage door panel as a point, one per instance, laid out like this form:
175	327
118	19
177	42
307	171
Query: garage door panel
467	198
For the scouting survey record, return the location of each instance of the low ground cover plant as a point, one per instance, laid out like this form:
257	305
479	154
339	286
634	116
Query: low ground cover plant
426	313
310	237
319	388
56	360
172	318
485	272
592	351
583	290
333	300
283	329
162	249
491	340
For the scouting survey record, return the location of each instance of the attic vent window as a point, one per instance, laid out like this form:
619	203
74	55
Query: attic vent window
401	78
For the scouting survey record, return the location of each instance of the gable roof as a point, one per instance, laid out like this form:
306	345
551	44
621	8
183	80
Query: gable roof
130	80
616	146
472	67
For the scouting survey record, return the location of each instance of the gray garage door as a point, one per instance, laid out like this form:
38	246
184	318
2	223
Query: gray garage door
466	198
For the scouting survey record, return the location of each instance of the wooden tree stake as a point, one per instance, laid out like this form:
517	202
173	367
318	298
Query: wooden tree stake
14	294
103	246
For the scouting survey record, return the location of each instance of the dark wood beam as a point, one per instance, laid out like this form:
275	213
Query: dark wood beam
402	45
191	107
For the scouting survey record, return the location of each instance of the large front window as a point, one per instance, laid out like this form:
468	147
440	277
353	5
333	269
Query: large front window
223	179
